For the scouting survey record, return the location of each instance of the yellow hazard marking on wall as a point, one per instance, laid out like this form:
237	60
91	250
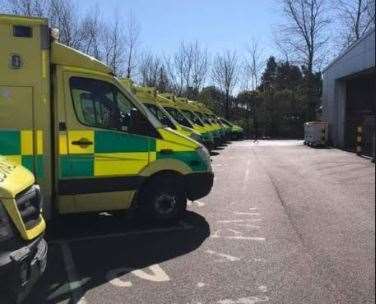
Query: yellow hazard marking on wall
27	142
110	164
39	142
79	135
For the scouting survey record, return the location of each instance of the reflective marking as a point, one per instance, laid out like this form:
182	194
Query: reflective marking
157	275
226	256
74	283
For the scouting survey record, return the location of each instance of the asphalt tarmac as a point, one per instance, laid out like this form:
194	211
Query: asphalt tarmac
284	223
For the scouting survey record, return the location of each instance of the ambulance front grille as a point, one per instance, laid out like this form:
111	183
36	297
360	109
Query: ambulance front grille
28	204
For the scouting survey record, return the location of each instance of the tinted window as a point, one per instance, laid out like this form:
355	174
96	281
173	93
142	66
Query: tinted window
22	31
100	104
204	118
160	115
193	117
179	117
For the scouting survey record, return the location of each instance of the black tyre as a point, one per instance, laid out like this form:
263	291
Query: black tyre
163	198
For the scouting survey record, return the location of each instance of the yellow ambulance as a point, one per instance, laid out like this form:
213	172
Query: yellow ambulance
168	102
23	250
91	145
148	96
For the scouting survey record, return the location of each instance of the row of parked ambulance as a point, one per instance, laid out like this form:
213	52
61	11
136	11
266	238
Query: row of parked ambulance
85	141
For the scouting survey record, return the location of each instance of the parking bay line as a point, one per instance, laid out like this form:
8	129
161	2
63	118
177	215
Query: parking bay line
70	268
182	226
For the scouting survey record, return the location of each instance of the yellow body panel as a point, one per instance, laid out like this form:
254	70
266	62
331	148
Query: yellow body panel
13	180
112	164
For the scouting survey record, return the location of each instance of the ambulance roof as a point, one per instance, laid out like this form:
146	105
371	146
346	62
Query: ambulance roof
65	55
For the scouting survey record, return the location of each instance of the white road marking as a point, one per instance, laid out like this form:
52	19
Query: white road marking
263	288
247	213
252	209
157	275
195	203
74	282
248	226
113	277
239	221
182	226
238	236
245	180
234	231
246	300
200	284
65	288
226	256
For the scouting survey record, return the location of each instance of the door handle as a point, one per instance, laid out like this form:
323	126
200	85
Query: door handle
82	142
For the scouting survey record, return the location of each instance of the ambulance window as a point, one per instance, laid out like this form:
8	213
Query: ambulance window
180	118
95	103
22	31
162	117
100	104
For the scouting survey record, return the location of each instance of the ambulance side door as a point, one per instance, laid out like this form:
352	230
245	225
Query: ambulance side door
103	155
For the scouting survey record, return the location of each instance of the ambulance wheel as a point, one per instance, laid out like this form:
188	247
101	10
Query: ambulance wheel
163	198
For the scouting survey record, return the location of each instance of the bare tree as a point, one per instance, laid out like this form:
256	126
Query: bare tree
177	70
254	64
355	18
131	41
36	8
187	68
91	33
149	69
113	46
304	31
200	64
225	75
62	14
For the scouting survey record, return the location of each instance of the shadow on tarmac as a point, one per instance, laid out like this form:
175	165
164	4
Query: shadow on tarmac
99	244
